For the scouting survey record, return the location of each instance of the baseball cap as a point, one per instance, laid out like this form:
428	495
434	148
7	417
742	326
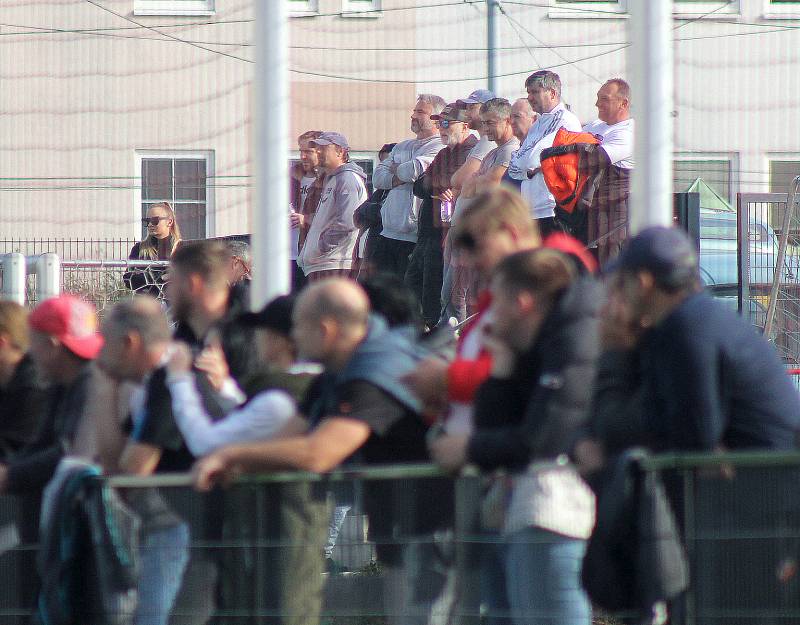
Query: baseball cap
479	96
331	138
275	316
72	321
667	253
453	112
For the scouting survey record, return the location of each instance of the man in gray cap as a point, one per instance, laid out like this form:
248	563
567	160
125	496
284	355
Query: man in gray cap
397	173
456	280
328	250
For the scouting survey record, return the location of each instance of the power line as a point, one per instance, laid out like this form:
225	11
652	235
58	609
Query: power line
512	21
195	45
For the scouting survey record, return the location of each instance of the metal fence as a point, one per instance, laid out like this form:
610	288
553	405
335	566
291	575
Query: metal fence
255	553
762	221
103	282
70	249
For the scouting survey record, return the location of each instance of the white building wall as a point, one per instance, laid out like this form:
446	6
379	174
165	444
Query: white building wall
74	108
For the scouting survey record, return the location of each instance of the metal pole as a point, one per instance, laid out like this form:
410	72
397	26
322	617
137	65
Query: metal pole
14	278
491	43
48	277
269	218
651	59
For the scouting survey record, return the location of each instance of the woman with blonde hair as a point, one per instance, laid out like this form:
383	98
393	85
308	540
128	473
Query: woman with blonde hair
163	238
163	234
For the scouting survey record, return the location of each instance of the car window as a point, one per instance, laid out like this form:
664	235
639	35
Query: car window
711	228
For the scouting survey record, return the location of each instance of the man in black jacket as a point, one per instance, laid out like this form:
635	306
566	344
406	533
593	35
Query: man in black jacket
543	339
22	393
682	372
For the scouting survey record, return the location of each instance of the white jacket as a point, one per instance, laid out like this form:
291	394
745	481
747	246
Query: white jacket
400	209
540	136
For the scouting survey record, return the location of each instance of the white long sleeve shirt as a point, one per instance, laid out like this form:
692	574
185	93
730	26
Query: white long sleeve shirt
261	418
540	136
400	209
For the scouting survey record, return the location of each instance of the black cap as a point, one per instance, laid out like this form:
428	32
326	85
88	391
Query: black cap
275	316
667	253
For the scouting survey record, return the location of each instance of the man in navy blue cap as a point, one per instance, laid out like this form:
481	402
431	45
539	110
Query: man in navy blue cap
681	370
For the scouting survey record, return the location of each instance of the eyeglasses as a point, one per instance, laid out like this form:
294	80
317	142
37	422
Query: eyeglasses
446	123
152	221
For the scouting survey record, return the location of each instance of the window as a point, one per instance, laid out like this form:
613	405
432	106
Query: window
300	8
706	8
782	9
180	178
781	174
173	7
361	8
715	170
588	9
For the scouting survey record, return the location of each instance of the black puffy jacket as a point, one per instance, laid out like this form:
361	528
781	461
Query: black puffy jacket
536	413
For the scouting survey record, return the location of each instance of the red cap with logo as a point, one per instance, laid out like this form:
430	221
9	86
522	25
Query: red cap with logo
72	321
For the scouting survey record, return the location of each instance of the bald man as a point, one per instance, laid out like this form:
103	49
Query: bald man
358	404
522	118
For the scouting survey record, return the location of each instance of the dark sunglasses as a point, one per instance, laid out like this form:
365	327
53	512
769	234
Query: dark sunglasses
152	221
446	123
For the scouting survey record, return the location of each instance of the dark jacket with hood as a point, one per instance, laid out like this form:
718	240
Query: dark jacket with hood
536	412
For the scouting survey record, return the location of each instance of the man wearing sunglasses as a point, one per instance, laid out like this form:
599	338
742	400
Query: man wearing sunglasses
425	268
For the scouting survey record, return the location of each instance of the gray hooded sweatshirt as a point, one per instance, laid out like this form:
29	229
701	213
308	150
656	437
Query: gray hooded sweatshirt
332	236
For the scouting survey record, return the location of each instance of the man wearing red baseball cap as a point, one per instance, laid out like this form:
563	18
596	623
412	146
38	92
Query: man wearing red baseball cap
64	340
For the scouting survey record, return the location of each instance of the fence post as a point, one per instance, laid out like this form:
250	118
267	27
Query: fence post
14	278
48	277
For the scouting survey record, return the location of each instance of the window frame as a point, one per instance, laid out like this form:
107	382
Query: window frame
311	8
717	9
349	9
207	155
784	157
605	10
171	7
733	167
781	10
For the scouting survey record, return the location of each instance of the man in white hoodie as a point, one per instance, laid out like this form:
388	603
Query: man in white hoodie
328	250
407	161
544	95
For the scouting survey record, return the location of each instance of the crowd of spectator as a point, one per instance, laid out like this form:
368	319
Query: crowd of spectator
560	368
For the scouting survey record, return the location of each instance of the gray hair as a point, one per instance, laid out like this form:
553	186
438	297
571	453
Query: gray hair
497	106
525	104
544	79
240	250
437	103
143	315
623	88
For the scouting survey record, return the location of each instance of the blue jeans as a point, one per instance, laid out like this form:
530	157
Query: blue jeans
163	556
543	578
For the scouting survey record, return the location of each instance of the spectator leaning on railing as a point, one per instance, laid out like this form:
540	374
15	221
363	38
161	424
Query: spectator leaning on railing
543	342
680	370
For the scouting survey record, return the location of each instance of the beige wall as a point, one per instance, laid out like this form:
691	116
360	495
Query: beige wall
74	108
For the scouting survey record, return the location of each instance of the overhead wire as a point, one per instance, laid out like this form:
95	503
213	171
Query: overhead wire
512	21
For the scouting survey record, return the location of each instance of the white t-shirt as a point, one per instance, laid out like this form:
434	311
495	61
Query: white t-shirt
617	140
540	136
